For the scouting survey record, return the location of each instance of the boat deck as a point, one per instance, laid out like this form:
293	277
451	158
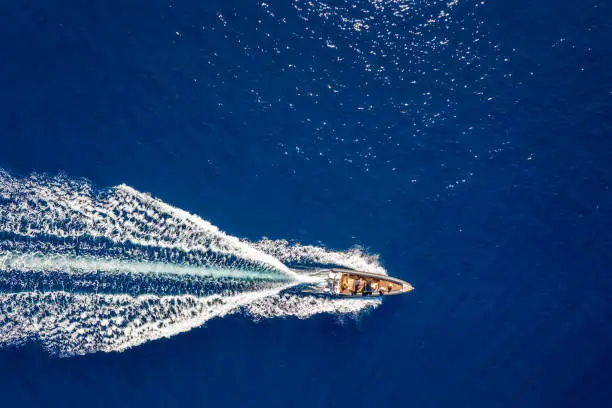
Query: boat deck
352	285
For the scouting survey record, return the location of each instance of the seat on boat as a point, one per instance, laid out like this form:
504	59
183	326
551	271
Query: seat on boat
344	283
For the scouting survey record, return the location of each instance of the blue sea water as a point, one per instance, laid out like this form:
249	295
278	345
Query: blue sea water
467	143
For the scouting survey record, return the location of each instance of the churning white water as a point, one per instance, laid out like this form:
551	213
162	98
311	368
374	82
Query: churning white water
85	270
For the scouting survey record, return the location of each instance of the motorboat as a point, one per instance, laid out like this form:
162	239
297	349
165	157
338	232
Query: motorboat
348	282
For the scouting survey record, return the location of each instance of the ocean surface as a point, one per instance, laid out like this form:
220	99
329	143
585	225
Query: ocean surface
161	163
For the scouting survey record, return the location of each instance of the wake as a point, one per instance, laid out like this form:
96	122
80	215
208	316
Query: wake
85	270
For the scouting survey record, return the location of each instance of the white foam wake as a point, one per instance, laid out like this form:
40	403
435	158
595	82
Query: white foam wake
355	258
79	264
83	270
67	208
68	324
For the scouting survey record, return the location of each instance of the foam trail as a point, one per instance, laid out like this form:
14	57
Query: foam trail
296	253
85	270
304	307
66	208
55	262
69	324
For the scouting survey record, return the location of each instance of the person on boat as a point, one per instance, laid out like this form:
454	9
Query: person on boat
367	288
381	291
357	283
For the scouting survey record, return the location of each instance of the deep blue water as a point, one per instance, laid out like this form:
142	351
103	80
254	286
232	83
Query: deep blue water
473	153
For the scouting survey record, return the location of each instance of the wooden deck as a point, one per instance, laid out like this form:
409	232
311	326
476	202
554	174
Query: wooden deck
348	285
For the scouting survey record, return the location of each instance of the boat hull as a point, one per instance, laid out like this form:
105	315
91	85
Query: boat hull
350	283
